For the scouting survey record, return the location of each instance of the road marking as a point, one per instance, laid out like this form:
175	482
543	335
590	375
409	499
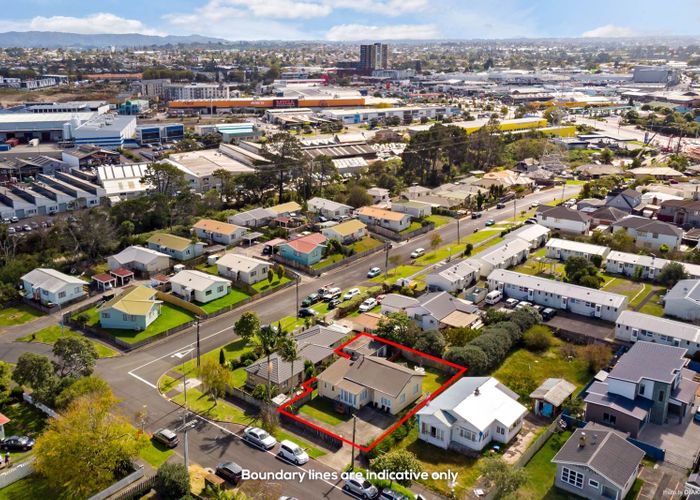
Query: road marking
143	380
182	354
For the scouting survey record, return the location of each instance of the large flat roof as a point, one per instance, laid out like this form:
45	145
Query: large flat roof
205	162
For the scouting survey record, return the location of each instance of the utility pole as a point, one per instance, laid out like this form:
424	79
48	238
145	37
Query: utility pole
352	459
297	292
515	210
458	219
563	186
387	246
198	350
184	417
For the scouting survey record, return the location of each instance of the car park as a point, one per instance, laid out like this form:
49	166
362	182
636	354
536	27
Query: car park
361	487
166	437
17	443
292	452
548	313
417	253
307	312
511	303
353	292
368	304
374	271
258	437
230	471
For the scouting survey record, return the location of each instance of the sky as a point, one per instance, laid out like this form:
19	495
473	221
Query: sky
353	20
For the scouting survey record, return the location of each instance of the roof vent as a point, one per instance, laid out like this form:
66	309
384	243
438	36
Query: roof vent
582	440
476	392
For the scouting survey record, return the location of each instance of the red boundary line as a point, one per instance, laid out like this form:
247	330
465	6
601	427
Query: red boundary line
339	350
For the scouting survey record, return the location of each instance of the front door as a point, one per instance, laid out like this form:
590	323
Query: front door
598	309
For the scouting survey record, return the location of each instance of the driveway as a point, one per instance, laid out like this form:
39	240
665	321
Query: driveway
582	328
680	440
371	424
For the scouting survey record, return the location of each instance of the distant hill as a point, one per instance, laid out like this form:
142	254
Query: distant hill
55	39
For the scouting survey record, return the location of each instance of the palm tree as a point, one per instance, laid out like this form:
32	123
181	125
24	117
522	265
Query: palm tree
267	339
288	352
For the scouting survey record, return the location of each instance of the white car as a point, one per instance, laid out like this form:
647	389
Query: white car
522	304
417	253
259	438
292	452
361	487
368	304
534	204
353	292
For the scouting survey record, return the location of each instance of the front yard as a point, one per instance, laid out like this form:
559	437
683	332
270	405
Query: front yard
233	297
367	243
438	220
322	409
540	471
51	334
231	351
18	315
414	226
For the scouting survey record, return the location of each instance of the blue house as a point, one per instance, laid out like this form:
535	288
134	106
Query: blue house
307	250
133	309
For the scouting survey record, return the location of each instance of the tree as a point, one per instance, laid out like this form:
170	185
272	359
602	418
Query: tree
468	249
664	249
430	342
92	445
435	240
247	326
606	156
164	178
397	460
74	357
84	386
284	151
580	271
5	380
358	197
398	327
460	336
222	357
525	318
172	481
537	338
270	275
37	372
289	352
506	478
622	241
671	274
597	356
267	340
215	378
471	357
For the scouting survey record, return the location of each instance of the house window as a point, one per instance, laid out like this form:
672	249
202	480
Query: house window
208	292
642	387
252	273
609	419
105	315
402	398
220	289
44	292
467	434
61	295
593	483
661	395
125	317
77	289
572	477
500	430
416	389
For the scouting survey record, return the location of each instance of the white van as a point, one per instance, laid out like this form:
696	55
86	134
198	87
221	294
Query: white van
494	297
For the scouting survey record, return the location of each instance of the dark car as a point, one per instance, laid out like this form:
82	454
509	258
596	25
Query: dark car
166	437
307	312
311	300
548	313
333	303
389	494
500	205
230	471
531	220
476	215
490	222
18	443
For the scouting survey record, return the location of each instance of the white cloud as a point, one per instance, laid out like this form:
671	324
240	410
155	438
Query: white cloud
102	22
355	32
383	7
609	31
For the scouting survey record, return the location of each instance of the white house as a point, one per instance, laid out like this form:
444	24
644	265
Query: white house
240	267
219	232
379	195
47	285
198	286
502	256
683	300
563	249
139	259
558	295
394	221
256	217
563	219
328	208
470	414
453	277
650	233
416	209
434	310
535	234
633	326
346	232
650	266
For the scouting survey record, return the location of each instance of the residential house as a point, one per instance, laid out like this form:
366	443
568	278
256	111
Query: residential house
563	219
328	208
49	286
470	414
593	171
606	216
683	300
502	256
371	380
286	209
558	294
650	233
534	234
135	308
504	178
649	383
394	221
243	268
627	200
415	192
316	344
219	232
682	213
661	173
647	266
597	463
139	259
177	247
548	398
591	205
200	287
379	195
416	209
346	232
453	277
434	310
634	326
563	249
307	250
257	217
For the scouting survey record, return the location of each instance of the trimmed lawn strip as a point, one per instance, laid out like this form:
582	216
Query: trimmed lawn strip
264	285
32	486
155	453
366	243
18	315
438	220
321	409
233	350
396	273
653	306
541	471
51	334
205	268
233	297
331	259
414	225
167	383
457	249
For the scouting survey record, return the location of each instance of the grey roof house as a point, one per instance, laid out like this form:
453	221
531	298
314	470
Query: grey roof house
683	300
550	395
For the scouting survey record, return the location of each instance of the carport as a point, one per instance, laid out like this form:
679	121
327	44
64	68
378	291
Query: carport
104	281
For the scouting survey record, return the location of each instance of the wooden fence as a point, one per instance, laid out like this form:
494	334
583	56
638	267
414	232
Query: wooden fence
393	235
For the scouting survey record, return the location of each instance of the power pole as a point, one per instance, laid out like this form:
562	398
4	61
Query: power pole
352	459
458	219
387	246
198	350
515	210
184	419
297	292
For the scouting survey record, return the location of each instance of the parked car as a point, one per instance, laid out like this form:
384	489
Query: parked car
166	437
292	452
14	220
333	303
230	471
417	253
361	487
310	300
11	230
380	297
353	292
374	271
307	312
490	222
332	293
548	313
17	443
523	303
259	438
538	308
494	297
534	204
27	227
500	205
389	494
476	215
696	417
368	304
511	303
531	220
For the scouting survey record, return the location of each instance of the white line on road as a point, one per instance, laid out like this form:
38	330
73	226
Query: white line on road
143	380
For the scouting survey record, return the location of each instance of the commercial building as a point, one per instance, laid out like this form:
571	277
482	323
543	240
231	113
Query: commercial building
161	133
179	91
231	132
374	56
133	107
199	167
214	106
406	114
105	131
633	326
656	74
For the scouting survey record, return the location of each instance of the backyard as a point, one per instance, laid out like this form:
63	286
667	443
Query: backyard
25	420
51	334
18	315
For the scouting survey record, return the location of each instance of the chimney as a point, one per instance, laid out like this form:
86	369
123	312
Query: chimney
594	438
582	440
476	392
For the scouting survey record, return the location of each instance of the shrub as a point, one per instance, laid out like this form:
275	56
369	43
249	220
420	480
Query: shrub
525	318
598	356
172	481
471	357
567	351
430	342
537	339
513	330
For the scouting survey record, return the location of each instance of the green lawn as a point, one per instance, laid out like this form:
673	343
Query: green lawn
233	297
166	383
264	285
635	489
31	487
398	272
438	220
414	225
541	269
51	334
540	470
523	371
433	378
331	259
220	410
653	306
366	243
155	453
231	351
322	409
25	420
456	249
18	315
170	317
211	269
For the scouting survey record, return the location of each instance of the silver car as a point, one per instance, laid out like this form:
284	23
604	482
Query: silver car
361	487
259	438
